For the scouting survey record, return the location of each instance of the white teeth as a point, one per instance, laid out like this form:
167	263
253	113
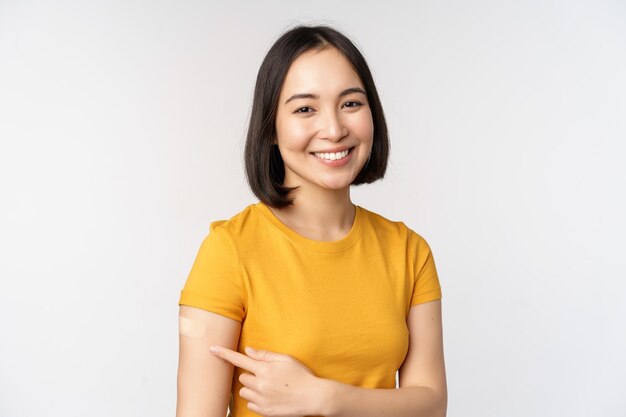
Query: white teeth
333	156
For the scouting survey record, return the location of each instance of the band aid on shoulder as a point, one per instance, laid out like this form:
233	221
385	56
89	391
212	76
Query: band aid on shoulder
191	327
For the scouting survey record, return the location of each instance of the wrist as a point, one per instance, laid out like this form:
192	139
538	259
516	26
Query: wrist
326	401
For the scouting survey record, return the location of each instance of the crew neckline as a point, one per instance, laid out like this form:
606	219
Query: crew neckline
317	245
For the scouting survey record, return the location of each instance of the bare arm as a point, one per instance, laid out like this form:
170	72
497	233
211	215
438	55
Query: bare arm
204	380
423	388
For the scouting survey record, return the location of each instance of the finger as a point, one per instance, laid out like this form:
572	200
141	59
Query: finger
250	395
236	358
248	380
254	407
266	355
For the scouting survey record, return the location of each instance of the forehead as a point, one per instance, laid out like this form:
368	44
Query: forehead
319	71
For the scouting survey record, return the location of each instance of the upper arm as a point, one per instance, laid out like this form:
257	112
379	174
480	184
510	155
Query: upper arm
204	380
424	362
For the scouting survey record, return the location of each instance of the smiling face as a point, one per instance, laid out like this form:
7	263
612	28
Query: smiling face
323	107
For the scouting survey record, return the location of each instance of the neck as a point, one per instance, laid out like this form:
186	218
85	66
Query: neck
323	212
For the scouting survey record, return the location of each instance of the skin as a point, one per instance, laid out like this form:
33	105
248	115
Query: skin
277	384
322	208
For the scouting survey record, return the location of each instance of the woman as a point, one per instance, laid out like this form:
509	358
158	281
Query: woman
336	298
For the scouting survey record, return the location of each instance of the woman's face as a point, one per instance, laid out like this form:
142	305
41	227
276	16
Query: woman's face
323	108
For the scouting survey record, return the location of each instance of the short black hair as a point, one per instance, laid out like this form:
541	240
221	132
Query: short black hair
264	166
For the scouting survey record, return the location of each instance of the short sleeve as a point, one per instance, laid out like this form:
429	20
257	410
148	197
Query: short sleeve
215	283
426	286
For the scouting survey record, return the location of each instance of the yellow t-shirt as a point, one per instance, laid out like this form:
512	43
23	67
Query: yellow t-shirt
338	307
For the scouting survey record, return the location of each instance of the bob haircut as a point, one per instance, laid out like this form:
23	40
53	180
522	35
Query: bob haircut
264	166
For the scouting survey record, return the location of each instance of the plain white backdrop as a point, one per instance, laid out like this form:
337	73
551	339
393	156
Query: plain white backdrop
122	126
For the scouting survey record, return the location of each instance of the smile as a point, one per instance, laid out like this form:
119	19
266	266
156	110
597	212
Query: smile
334	156
334	159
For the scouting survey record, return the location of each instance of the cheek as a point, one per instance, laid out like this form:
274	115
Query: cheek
292	133
363	126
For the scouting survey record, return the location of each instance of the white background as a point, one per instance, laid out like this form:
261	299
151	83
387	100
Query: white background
122	126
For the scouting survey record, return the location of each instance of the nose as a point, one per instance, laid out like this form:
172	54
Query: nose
332	127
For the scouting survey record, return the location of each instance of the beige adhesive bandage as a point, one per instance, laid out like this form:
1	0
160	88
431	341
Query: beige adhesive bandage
191	327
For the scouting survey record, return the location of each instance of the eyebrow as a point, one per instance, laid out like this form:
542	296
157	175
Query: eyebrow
309	95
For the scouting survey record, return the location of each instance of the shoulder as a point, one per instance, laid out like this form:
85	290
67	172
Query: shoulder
236	229
224	236
394	228
396	233
381	222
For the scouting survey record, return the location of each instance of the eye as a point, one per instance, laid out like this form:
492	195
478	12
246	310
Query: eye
304	109
353	104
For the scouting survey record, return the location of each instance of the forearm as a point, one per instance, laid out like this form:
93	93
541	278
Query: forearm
344	400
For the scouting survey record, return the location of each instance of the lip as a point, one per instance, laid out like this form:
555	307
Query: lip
343	148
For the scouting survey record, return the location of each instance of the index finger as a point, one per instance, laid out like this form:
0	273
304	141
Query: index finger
237	359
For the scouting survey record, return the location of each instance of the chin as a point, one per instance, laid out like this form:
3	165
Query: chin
337	186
